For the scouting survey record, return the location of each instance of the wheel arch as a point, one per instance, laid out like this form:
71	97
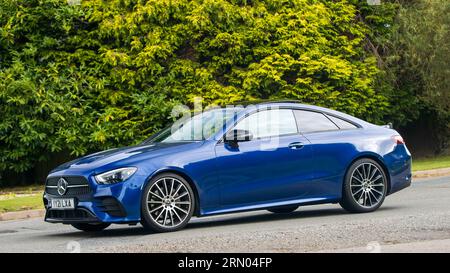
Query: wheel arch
188	179
377	158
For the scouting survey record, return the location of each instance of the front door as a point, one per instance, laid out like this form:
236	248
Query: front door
276	165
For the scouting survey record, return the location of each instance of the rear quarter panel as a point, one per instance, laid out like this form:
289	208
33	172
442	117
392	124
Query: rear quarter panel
335	151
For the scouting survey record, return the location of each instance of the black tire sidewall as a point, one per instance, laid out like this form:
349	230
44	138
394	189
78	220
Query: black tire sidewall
348	202
147	221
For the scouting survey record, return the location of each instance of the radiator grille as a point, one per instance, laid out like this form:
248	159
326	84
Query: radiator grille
76	186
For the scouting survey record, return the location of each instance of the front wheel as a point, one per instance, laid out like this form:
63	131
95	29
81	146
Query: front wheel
91	227
365	186
167	203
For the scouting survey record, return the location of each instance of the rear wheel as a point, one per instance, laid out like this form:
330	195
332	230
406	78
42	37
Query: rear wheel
287	209
365	186
167	203
91	227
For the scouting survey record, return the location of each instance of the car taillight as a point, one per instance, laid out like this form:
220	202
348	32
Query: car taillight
398	139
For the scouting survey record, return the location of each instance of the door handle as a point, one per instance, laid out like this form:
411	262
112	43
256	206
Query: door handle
296	145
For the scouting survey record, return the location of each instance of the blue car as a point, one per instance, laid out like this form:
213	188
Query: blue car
274	156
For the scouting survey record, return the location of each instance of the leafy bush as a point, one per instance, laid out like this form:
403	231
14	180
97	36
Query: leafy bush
106	73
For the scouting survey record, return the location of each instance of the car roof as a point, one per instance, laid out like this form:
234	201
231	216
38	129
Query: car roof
299	105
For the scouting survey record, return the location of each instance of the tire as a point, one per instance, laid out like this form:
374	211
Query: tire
287	209
365	186
167	204
91	227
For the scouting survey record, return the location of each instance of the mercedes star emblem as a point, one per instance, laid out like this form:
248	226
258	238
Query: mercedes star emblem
62	186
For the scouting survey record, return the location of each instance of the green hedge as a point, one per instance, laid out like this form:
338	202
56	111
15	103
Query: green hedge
79	78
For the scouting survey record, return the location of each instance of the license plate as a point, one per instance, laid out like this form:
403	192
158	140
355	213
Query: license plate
66	203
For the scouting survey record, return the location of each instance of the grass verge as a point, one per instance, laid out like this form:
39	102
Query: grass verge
423	164
10	203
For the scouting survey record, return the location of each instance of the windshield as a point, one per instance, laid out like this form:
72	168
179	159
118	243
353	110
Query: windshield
199	127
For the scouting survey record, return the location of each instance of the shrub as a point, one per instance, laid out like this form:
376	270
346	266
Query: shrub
106	73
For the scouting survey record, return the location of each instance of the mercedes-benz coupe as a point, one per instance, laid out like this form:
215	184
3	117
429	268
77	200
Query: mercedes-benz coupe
273	156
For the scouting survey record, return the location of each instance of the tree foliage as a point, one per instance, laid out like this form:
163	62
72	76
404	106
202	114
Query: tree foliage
413	56
423	48
79	78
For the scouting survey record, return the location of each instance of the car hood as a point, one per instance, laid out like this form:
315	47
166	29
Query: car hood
103	158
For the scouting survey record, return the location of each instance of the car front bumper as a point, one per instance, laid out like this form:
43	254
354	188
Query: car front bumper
116	203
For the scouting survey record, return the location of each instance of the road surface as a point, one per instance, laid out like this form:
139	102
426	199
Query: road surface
416	219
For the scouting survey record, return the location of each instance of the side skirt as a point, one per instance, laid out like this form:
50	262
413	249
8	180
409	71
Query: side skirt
261	206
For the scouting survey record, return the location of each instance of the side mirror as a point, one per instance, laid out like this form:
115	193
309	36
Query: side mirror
236	135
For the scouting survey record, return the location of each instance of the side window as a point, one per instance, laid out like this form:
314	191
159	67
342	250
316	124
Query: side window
309	121
342	124
269	123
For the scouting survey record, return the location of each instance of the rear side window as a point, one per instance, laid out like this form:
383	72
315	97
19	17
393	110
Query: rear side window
309	121
342	124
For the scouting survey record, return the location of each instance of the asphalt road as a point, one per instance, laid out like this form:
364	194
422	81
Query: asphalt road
416	219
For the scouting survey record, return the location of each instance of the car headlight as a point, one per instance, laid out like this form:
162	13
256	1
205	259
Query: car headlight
115	176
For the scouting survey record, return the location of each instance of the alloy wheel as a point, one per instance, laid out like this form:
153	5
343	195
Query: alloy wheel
367	185
169	202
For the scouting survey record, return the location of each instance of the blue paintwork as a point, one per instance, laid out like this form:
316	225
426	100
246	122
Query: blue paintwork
236	179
